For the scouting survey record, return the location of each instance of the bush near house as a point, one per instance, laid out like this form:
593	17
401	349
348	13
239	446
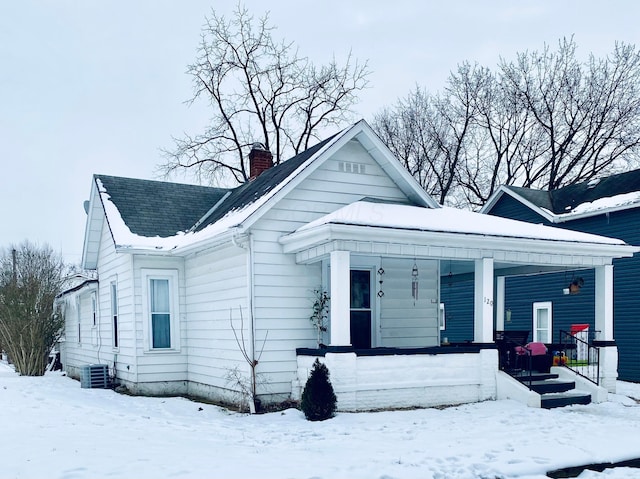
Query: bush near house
318	398
30	279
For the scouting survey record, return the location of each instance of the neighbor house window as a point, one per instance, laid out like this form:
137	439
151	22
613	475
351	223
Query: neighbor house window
441	318
161	301
114	313
542	322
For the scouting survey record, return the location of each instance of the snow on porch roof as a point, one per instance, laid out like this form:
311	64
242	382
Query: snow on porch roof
450	220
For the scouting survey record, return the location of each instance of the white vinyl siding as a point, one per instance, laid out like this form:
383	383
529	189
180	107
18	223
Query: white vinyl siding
216	286
284	289
403	321
97	341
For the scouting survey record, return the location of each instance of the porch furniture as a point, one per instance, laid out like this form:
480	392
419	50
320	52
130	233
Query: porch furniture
507	341
533	356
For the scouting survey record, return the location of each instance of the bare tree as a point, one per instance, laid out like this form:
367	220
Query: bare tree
587	114
30	325
428	133
544	121
259	90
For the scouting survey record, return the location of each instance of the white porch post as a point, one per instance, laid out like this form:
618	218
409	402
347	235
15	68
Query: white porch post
604	324
340	299
604	302
500	295
483	301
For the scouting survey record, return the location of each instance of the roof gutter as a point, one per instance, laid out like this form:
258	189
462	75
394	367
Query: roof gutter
316	236
204	244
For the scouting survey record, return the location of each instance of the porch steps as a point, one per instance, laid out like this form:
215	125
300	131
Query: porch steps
549	401
552	386
553	392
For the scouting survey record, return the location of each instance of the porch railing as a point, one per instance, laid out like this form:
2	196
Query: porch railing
582	357
519	367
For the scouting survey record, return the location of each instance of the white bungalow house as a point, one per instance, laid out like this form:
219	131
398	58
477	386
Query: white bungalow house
191	279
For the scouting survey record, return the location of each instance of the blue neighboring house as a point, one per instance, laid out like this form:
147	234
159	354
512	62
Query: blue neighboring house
608	206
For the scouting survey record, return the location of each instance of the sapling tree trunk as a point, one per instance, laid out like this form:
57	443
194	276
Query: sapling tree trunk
248	353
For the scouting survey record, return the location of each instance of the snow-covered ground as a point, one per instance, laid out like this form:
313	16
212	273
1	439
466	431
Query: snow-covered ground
52	428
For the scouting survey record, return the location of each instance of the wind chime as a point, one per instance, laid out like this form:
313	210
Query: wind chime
414	282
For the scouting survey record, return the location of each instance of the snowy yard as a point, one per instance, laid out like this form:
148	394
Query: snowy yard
52	428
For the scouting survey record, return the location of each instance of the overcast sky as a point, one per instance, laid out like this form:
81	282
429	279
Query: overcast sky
99	86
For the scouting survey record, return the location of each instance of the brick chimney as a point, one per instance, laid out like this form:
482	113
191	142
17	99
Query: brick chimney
260	159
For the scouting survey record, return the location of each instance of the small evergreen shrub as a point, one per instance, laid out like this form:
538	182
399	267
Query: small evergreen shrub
318	399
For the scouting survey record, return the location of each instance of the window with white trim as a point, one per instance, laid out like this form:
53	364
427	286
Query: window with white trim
79	317
160	308
114	314
542	322
94	308
441	318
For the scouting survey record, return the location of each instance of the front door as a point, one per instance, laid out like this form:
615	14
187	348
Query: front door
361	308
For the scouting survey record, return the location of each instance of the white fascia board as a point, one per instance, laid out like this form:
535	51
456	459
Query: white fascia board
488	245
493	199
93	229
370	140
299	175
546	214
576	216
233	234
362	132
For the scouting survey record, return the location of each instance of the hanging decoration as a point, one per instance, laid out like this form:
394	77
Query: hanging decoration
380	273
414	282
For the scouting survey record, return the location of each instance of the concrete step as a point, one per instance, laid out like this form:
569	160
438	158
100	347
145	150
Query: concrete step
526	377
548	401
551	386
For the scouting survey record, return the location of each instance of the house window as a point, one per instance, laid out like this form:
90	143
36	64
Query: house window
79	317
160	313
160	309
114	313
441	318
94	308
542	322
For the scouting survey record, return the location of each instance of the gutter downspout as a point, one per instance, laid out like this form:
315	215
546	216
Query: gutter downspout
248	246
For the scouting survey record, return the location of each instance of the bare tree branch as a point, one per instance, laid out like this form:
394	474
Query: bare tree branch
259	90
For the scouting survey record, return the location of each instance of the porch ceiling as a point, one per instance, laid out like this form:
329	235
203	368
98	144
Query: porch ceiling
511	244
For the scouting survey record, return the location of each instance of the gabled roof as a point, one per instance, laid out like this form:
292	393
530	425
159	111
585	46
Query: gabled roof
158	208
162	216
612	193
251	191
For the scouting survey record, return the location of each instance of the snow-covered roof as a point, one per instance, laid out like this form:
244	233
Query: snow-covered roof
450	220
160	216
607	203
185	215
597	196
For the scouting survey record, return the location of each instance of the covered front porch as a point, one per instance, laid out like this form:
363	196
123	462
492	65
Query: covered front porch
383	263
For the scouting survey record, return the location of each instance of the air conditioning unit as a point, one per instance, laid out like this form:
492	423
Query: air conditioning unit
94	376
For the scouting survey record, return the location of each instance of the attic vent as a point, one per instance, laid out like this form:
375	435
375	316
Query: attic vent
593	182
94	376
350	167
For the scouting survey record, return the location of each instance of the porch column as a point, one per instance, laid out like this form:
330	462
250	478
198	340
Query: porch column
340	299
483	301
604	302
